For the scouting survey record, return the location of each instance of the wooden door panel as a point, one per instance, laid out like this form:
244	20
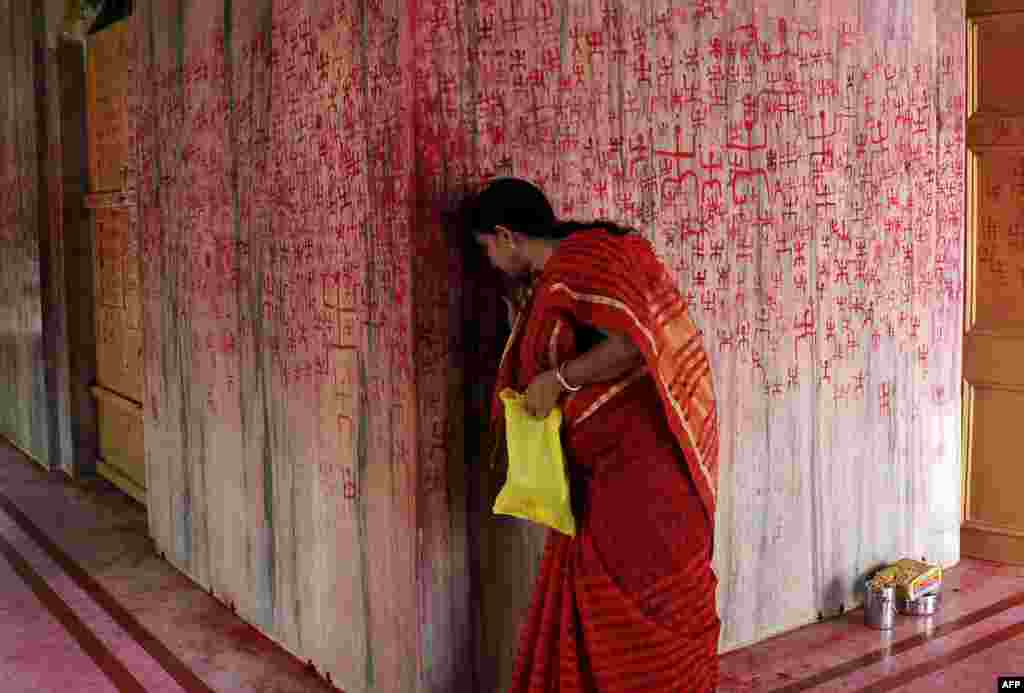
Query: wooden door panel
999	46
996	131
994	360
118	319
110	347
133	374
119	389
122	452
999	246
998	472
110	259
132	285
993	367
106	86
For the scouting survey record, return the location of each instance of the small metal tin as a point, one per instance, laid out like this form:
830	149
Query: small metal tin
880	607
925	605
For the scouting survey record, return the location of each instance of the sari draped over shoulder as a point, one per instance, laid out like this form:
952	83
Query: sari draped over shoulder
627	604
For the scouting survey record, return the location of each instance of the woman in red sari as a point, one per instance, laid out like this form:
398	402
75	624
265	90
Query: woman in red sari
600	329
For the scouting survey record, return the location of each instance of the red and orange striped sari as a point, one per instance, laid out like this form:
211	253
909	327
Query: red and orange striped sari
628	604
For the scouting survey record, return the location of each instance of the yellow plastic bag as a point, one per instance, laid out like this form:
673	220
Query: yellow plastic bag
537	487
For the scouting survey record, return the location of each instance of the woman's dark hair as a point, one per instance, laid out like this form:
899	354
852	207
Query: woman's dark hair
522	207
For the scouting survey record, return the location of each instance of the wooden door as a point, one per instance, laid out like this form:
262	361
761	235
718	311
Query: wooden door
118	303
107	118
993	526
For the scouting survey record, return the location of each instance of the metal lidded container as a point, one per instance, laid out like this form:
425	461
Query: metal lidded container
925	605
880	607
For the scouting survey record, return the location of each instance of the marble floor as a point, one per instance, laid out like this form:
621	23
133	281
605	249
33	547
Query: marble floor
87	606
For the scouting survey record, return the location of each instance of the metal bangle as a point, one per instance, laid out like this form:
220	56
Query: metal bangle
561	379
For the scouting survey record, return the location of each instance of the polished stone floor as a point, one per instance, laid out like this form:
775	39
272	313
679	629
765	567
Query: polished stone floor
976	636
87	606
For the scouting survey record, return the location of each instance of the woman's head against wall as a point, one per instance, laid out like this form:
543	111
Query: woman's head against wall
508	215
502	216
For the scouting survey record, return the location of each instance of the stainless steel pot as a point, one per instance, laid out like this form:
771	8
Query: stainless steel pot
925	605
880	607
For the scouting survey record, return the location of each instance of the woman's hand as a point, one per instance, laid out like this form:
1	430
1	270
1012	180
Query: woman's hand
542	395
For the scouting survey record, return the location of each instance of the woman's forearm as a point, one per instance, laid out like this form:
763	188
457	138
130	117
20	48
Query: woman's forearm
609	360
